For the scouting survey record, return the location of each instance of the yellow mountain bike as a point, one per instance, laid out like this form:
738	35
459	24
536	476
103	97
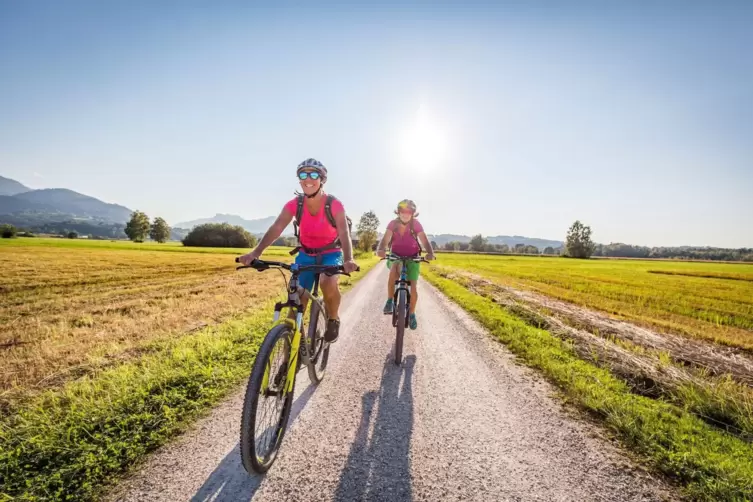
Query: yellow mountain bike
270	389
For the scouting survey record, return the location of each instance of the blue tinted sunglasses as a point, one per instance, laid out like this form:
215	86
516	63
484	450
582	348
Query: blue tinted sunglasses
303	175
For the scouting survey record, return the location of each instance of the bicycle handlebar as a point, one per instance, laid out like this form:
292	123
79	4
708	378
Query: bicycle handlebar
393	257
262	265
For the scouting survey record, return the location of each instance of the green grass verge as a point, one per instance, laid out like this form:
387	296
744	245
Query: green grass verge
67	443
711	465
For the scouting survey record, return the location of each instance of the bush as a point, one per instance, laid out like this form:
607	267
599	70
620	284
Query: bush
7	231
219	235
72	235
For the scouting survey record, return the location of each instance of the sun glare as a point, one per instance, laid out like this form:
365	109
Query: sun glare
423	143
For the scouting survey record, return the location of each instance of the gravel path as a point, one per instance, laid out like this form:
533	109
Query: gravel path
458	421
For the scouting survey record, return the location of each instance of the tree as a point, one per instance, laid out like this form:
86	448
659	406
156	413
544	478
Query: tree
578	243
220	235
367	231
549	250
7	231
463	246
138	228
434	245
504	248
160	230
72	235
478	243
530	249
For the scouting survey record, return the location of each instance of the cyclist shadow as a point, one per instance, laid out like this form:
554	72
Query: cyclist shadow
230	482
378	468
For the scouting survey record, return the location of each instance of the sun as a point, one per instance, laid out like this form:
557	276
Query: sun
423	142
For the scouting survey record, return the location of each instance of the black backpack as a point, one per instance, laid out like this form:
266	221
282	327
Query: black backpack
330	218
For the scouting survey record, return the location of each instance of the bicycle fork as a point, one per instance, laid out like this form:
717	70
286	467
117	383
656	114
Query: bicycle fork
295	348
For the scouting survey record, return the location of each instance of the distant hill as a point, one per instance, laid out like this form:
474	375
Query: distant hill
30	208
254	226
11	204
11	187
69	202
511	241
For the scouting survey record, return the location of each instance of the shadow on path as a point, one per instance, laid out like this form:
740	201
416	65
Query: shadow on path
378	467
230	481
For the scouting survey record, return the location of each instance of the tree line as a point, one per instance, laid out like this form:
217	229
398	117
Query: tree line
578	241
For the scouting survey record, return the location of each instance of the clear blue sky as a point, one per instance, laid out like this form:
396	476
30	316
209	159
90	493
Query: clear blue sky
515	119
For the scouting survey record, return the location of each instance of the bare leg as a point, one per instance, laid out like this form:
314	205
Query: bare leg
394	276
413	296
331	291
305	295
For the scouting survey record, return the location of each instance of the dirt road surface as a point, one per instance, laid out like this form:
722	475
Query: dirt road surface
460	420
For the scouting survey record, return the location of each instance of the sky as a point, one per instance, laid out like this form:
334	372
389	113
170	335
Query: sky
514	119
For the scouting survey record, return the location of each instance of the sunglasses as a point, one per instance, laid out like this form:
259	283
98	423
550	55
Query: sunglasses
304	175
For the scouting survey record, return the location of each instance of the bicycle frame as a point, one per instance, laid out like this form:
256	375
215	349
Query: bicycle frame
402	284
294	302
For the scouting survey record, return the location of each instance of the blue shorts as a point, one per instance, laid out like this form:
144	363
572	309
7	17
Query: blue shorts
306	279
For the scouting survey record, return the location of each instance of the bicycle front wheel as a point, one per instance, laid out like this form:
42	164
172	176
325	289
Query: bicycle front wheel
318	349
267	404
402	310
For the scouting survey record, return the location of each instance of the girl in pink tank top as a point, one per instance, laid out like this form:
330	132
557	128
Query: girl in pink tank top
405	235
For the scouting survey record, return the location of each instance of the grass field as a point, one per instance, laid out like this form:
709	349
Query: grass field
691	423
110	348
708	301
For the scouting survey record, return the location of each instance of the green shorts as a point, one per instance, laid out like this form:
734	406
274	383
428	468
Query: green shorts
414	269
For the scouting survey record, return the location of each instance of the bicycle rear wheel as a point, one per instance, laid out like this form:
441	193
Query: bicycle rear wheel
266	407
402	310
318	349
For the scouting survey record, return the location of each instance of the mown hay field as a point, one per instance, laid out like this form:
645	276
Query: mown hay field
69	308
109	349
709	301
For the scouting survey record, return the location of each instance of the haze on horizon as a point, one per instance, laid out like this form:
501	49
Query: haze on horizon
514	119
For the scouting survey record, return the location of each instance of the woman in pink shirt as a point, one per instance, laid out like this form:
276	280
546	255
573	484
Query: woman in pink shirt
324	238
403	236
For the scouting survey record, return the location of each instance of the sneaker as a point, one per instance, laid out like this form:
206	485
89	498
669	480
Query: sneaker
333	331
413	323
389	307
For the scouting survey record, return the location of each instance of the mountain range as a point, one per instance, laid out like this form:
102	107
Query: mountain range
43	209
510	240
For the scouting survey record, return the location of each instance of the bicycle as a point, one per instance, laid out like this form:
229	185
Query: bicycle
401	301
273	374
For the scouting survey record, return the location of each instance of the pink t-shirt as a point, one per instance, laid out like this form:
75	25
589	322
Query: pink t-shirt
315	229
405	244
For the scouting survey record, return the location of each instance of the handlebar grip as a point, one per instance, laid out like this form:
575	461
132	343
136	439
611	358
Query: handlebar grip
237	259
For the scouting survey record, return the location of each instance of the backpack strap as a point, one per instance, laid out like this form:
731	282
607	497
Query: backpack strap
297	224
414	234
299	212
328	210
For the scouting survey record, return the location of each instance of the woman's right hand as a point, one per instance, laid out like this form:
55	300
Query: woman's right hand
248	259
381	253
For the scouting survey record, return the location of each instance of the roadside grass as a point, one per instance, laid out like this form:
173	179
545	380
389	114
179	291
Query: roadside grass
707	301
138	384
709	463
